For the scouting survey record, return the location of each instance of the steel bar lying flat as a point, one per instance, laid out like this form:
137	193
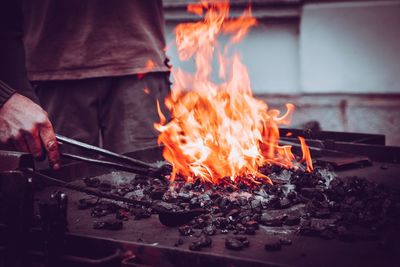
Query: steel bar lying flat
89	191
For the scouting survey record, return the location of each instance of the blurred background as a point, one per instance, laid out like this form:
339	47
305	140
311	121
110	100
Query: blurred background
337	61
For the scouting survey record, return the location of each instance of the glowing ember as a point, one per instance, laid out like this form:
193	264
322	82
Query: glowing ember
220	130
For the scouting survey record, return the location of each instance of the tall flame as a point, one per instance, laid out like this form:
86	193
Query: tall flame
219	130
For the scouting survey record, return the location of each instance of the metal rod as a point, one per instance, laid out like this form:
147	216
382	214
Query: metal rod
104	152
111	164
90	191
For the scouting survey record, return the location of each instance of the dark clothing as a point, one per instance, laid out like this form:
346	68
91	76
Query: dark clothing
5	93
85	56
12	57
75	39
121	109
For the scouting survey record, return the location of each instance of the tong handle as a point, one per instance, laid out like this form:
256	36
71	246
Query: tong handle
103	152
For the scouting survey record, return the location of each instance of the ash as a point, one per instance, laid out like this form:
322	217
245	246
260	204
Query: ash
316	204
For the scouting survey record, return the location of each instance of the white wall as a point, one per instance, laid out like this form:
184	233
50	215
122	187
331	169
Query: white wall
270	52
350	47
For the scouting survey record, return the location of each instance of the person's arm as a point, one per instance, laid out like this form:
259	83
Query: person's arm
12	54
22	121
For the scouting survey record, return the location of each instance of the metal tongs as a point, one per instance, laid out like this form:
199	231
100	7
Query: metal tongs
118	161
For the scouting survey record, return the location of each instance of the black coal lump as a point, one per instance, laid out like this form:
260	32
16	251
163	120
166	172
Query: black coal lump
92	182
236	242
202	242
185	230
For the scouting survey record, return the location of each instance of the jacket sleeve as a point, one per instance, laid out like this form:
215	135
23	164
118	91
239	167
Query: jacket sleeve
13	74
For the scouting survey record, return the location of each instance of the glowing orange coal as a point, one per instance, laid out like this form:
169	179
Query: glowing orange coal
220	129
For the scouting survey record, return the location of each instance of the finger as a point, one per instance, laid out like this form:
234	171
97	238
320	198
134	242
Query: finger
48	137
33	142
20	145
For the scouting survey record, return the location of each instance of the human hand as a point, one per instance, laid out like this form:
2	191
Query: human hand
27	126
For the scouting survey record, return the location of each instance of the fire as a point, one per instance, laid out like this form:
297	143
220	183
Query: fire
219	129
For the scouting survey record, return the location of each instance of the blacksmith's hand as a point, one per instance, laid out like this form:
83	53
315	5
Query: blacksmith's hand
28	127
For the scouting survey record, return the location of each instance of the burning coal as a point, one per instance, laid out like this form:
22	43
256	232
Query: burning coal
219	129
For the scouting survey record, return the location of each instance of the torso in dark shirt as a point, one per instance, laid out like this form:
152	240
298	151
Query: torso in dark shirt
76	39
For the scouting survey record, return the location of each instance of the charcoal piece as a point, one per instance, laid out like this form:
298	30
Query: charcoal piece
141	213
256	217
253	224
233	244
322	213
284	203
273	245
164	206
256	204
221	222
245	220
105	186
205	241
140	180
315	227
113	225
99	212
312	193
274	202
243	202
199	222
196	246
302	179
202	242
321	224
181	217
185	196
210	230
122	214
224	203
243	239
232	213
240	229
204	200
292	220
285	241
157	193
250	231
163	171
198	233
86	203
123	191
245	213
185	230
292	195
188	186
137	194
271	220
195	203
92	182
104	208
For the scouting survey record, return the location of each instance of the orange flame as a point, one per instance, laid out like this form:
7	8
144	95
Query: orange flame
306	154
219	130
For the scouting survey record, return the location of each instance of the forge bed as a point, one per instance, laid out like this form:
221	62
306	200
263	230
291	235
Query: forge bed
154	243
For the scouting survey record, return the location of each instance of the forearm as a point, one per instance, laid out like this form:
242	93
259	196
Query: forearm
5	93
12	56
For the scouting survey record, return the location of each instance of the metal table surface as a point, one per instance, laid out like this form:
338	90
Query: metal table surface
152	238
